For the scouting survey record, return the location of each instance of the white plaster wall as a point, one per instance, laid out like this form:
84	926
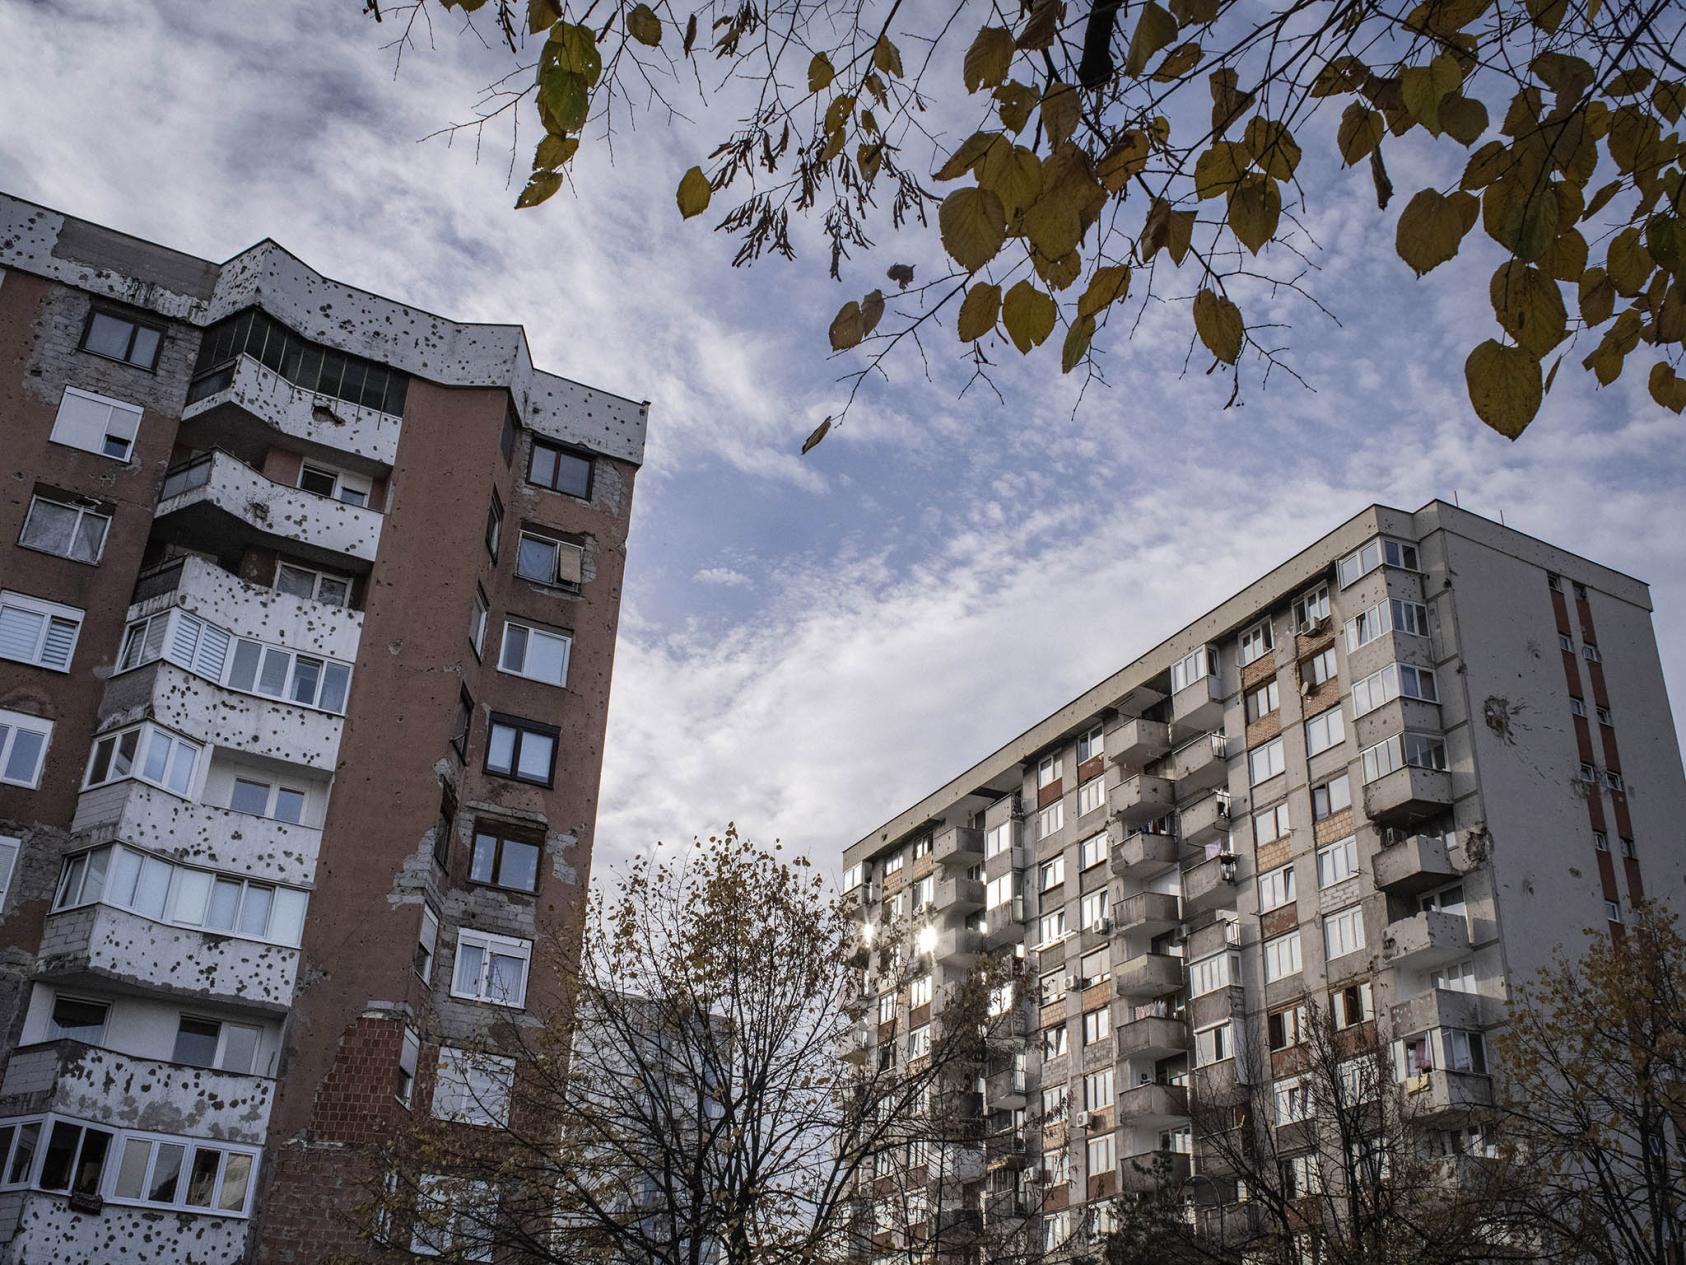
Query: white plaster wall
143	1027
49	1233
295	411
291	513
246	610
139	1093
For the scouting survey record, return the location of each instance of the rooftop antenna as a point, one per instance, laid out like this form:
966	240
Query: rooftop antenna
1455	500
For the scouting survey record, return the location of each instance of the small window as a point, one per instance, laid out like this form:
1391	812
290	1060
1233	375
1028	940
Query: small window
1276	888
312	585
547	561
491	968
1613	911
409	1058
1323	731
1093	850
1600	841
1604	717
75	1019
1091	744
494	525
10	845
560	470
74	1162
1266	762
444	829
119	338
1331	797
460	726
1343	932
1256	642
1319	668
97	423
1285	1028
37	632
262	799
1263	701
1271	824
1613	780
352	489
228	1047
1050	874
71	531
1049	769
1630	850
473	1087
502	859
23	748
1337	862
539	654
149	753
477	617
1282	956
427	944
1577	706
1589	652
522	749
1311	606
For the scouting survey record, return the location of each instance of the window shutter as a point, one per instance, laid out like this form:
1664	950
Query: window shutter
60	643
184	640
152	641
82	420
212	652
20	633
569	563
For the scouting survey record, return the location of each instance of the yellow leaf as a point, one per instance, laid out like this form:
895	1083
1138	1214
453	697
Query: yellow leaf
1486	165
1179	234
694	193
1155	28
820	73
1520	216
973	224
1058	273
1218	322
1547	14
1430	231
1228	103
965	158
1360	132
542	14
1219	169
978	311
1597	297
838	112
1463	118
1178	62
872	311
1628	263
1670	99
1125	158
1053	228
1504	386
887	57
1015	101
1565	258
1015	175
539	187
1255	208
989	58
644	26
1040	27
819	434
1529	307
1061	112
1109	285
1076	344
1271	147
1667	388
1028	315
1601	199
847	328
1194	12
554	151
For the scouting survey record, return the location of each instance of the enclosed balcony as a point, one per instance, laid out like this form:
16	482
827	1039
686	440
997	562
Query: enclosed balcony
218	504
220	597
1140	798
1135	743
1006	1088
1414	865
244	404
1407	795
1204	821
1198	766
1140	856
1438	1092
1198	707
1152	1105
1426	940
1151	1037
1148	975
1210	885
958	846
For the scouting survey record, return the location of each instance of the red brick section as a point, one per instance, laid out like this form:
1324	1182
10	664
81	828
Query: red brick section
339	1067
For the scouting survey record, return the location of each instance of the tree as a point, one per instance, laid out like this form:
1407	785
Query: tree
1316	1152
1596	1058
688	1104
1122	155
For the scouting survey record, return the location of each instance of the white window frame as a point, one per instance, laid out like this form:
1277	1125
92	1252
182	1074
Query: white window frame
148	735
1091	795
1328	788
1196	665
317	579
1050	874
997	839
219	1056
1455	977
1093	850
1343	932
1282	956
1054	921
920	990
1311	606
1100	1089
10	847
189	1160
53	616
1094	908
451	1195
1255	642
1090	744
555	578
1001	890
1051	819
1101	1155
1049	769
13	724
1213	1044
121	424
1292	1100
1276	887
1272	693
82	512
1337	862
1267	757
1271	824
534	630
1320	668
490	945
427	945
344	481
1097	1025
1209	974
472	1087
272	796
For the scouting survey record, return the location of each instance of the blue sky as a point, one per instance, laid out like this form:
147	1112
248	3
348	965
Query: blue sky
809	644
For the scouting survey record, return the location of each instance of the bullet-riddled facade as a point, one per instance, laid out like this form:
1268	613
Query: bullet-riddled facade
1389	779
308	603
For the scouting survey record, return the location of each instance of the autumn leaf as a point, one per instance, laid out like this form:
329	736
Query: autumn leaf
1218	323
1255	207
1109	285
1360	132
694	193
1429	232
1504	386
820	73
539	187
978	311
988	59
644	26
973	224
1028	315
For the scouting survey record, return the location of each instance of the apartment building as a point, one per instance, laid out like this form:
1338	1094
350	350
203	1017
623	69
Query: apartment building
308	604
1387	779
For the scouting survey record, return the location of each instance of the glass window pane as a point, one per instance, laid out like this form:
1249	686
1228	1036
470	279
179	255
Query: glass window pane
120	889
29	1136
25	755
514	648
332	592
166	1173
573	474
335	679
93	887
77	1020
519	866
109	336
273	678
61	1153
254	910
535	756
505	984
544	465
225	904
90	537
181	766
500	748
286	916
90	1165
243	675
483	865
296	581
157	756
153	887
193	890
196	1042
50	527
249	797
236	1178
547	658
145	350
202	1181
239	1047
536	560
131	1171
289	805
307	675
470	959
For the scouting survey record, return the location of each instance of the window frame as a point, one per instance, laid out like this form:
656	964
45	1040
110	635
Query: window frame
1255	642
1278	759
1343	850
136	325
51	614
343	481
1316	597
220	1053
114	408
1290	947
82	512
491	944
16	723
1348	921
522	727
494	525
456	1098
534	629
184	1174
1276	887
1271	691
561	451
146	732
555	580
318	577
501	833
1325	731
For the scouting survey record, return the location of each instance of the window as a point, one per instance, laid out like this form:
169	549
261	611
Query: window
1311	606
229	1047
1098	1090
922	847
305	364
1094	909
1095	968
1337	862
1050	819
1285	1028
1093	850
1263	701
1097	1025
1212	973
1613	910
450	1218
1293	1100
1271	824
1091	795
1416	750
1049	770
184	639
461	723
71	531
1589	652
119	338
260	799
1276	887
924	891
1394	681
919	1041
1282	956
997	839
560	470
539	654
1459	977
887	1008
494	525
1300	1176
1102	1154
23	748
1566	642
1318	669
427	944
1613	780
547	561
473	1087
1343	931
1091	745
1464	1051
96	423
1213	1045
522	749
75	1019
491	968
1052	986
147	752
275	672
1589	775
338	485
1629	850
1053	1041
1256	642
1577	706
10	846
1366	626
1266	762
1446	900
409	1057
1604	717
1351	1006
1001	890
37	632
1050	874
1051	926
312	585
74	1162
1193	667
183	1174
501	860
894	862
1393	553
235	906
919	991
1410	617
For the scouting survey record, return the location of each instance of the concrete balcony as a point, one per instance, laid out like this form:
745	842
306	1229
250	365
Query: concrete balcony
958	946
1140	856
1204	821
959	895
1140	798
1407	795
1415	865
1210	885
1438	1092
1148	913
855	1043
197	833
1446	1008
1197	707
1151	1038
217	503
50	1229
194	706
1006	1089
1152	1105
201	587
1144	1174
1198	767
107	1087
1133	744
1426	940
160	959
1148	975
958	846
243	406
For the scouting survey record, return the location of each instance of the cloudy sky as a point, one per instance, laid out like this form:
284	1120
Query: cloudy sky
811	643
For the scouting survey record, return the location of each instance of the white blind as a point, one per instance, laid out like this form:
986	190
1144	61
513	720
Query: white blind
85	420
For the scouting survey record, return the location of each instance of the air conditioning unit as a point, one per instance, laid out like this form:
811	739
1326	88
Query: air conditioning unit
1073	981
1104	926
1085	1119
1032	1173
1317	627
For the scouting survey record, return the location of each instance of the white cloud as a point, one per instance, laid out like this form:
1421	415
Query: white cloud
723	577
